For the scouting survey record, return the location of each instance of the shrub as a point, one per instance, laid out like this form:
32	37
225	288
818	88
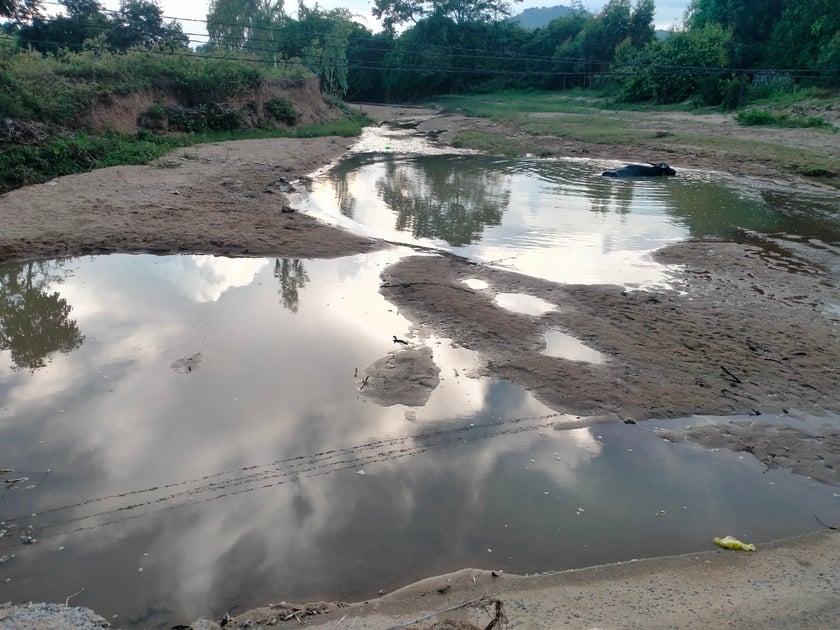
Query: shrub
756	117
282	109
771	84
753	117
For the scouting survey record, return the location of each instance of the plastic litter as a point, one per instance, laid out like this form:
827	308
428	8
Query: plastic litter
728	542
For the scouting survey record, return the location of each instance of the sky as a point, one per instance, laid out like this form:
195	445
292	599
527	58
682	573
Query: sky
668	12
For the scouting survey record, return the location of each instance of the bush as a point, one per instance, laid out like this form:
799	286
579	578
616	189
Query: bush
195	119
754	117
771	84
282	109
66	154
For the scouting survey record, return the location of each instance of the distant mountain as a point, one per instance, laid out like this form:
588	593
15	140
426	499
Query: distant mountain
537	18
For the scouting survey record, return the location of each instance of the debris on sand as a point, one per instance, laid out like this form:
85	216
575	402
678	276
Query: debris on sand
49	617
185	365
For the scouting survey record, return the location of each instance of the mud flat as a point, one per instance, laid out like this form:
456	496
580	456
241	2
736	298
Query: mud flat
739	332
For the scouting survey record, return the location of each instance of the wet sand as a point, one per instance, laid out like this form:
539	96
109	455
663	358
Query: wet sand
743	335
794	583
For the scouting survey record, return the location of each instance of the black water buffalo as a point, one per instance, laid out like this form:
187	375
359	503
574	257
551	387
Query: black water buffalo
641	170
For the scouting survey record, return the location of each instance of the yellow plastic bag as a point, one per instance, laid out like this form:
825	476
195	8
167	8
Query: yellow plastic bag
733	543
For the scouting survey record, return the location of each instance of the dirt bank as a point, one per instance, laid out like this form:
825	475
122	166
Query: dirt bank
788	584
221	198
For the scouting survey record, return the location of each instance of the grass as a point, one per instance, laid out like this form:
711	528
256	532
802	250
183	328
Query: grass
59	88
589	118
23	165
765	117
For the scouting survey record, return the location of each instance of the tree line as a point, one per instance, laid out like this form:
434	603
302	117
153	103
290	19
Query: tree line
432	47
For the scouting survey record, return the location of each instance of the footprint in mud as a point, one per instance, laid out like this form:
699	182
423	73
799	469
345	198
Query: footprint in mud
188	364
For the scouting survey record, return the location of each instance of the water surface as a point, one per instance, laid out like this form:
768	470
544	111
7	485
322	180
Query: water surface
192	436
558	219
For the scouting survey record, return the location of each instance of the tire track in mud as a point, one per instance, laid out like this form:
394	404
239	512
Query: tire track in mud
246	479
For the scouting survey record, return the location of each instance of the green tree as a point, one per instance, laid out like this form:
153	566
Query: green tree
807	36
139	24
326	52
365	61
394	13
751	22
85	20
244	24
672	70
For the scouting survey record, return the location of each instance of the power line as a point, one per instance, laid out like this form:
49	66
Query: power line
586	66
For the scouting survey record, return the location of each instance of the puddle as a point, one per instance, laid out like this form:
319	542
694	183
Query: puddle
555	219
476	284
525	304
170	495
184	435
560	344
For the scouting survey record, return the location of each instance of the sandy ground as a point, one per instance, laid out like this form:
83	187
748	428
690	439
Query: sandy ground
792	583
745	333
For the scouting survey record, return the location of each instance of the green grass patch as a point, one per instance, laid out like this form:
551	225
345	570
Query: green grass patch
495	144
757	117
22	165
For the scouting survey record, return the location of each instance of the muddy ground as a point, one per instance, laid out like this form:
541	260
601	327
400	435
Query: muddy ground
741	331
747	328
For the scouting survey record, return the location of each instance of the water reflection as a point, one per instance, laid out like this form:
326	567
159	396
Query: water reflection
35	320
560	344
292	277
553	219
443	200
237	483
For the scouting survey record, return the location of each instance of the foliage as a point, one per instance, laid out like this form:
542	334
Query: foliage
751	23
66	154
672	70
282	109
245	25
394	13
137	24
807	35
59	88
203	117
76	153
755	117
326	52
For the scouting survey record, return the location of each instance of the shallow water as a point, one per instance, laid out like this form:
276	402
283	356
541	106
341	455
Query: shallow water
557	219
193	439
190	434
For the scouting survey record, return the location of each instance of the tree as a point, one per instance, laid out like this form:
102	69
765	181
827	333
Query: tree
325	54
139	24
751	22
670	71
394	13
85	20
244	24
807	36
20	11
